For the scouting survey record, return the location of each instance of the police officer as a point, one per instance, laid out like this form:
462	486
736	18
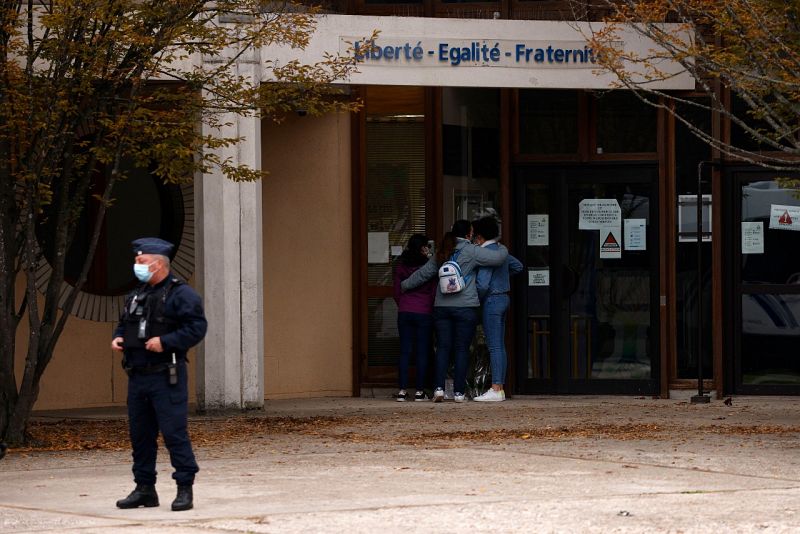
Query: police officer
163	317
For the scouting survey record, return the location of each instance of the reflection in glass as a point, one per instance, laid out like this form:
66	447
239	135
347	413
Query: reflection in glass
780	262
770	336
471	153
624	123
610	308
689	151
537	258
548	121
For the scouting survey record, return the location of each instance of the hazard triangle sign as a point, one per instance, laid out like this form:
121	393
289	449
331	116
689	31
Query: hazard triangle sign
782	217
610	243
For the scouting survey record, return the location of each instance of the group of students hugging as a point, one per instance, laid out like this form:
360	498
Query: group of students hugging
424	303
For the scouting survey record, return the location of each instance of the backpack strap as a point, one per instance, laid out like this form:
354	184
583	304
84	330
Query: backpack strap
454	259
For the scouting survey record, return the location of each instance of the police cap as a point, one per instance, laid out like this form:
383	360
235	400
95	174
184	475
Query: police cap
152	245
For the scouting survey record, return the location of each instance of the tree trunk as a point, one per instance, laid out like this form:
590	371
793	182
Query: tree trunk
8	386
8	382
15	434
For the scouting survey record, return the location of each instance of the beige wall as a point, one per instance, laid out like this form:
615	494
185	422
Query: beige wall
307	274
84	372
307	257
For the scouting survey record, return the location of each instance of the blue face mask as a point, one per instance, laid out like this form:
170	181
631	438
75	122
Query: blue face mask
142	272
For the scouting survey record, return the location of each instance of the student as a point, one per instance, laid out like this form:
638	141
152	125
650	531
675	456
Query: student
493	288
414	315
455	315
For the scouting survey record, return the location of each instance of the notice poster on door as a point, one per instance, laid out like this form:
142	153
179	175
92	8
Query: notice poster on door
610	243
538	277
538	230
597	213
752	237
784	217
635	234
377	247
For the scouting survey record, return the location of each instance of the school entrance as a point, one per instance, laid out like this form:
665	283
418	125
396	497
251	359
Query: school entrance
765	283
587	315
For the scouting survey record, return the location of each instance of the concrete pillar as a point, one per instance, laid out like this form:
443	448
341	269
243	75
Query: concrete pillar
230	366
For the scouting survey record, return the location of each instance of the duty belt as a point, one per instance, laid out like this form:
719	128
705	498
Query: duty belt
147	369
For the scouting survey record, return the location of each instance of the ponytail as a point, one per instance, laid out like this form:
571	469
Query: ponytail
446	248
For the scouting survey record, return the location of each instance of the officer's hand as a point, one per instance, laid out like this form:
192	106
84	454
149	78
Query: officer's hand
116	344
154	345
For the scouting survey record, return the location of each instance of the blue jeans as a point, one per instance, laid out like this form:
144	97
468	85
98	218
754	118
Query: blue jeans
414	327
494	328
455	328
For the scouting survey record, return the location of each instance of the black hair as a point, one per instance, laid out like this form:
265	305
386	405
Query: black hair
487	228
461	228
413	255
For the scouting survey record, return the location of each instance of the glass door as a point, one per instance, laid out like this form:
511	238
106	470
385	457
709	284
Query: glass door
394	200
767	284
589	313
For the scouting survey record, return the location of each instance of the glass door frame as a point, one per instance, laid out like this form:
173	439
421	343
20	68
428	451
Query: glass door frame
558	178
737	177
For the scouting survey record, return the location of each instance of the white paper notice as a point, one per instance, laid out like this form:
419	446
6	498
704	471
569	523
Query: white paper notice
538	277
635	234
610	242
378	247
538	230
752	237
784	217
597	213
397	250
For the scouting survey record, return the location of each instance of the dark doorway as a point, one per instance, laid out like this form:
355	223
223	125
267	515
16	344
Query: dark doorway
587	318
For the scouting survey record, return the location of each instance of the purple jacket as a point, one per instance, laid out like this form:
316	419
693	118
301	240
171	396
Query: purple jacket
417	300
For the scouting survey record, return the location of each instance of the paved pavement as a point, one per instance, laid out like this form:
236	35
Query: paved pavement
538	464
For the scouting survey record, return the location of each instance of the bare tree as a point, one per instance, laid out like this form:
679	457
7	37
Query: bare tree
744	56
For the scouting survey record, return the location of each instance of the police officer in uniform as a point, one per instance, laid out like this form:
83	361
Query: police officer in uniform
163	317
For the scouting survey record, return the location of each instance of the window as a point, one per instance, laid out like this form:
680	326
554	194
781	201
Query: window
143	206
548	122
625	124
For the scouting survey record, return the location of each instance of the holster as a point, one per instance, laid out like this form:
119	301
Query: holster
125	366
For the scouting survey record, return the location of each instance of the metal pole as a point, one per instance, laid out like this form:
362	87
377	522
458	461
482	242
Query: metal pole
700	398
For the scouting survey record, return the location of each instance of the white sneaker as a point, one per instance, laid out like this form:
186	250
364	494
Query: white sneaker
459	397
438	395
491	396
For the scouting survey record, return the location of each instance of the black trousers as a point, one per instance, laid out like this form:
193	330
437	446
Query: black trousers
153	405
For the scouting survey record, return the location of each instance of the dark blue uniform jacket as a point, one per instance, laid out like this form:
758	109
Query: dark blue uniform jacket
184	306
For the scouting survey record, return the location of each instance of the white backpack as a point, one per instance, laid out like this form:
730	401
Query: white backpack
450	278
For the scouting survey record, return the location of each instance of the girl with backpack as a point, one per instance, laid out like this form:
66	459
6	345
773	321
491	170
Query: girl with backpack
414	315
455	308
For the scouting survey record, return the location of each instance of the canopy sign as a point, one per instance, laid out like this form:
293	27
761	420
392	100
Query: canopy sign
473	52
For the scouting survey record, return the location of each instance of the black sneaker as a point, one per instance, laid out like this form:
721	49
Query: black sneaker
420	396
400	396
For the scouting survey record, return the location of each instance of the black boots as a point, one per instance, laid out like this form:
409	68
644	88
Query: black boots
183	501
144	495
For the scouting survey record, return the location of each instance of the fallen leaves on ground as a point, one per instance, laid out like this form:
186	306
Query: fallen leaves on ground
72	434
82	435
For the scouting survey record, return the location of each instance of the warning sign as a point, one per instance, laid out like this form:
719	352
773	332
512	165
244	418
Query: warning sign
610	246
784	217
